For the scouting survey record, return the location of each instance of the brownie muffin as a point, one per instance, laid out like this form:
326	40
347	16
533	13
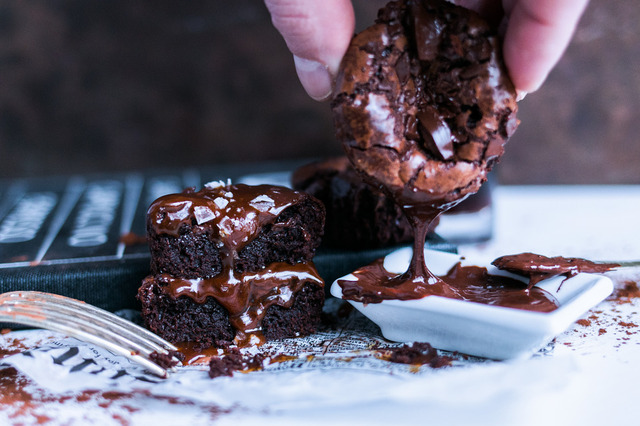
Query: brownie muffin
233	263
423	102
359	215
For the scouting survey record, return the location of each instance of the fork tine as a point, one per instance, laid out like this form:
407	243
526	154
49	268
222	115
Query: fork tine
27	317
112	318
80	310
68	317
85	322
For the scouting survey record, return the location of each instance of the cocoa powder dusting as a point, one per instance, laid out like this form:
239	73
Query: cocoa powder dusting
24	403
626	293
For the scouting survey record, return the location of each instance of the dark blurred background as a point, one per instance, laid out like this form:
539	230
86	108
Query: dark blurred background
93	85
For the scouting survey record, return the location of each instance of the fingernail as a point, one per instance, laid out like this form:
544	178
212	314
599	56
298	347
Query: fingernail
315	78
520	94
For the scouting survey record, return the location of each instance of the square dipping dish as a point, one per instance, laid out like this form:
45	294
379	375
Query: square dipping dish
478	329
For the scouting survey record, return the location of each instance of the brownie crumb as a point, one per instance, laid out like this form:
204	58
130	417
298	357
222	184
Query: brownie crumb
232	361
166	360
420	353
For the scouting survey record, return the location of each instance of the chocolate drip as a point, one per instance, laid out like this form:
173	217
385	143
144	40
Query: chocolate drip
236	214
375	284
470	283
538	267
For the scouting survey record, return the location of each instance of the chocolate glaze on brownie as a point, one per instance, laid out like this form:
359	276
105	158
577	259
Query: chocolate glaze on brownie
189	233
207	324
538	267
225	258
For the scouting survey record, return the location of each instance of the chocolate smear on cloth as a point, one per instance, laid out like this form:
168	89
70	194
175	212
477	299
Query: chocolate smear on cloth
539	268
626	292
423	107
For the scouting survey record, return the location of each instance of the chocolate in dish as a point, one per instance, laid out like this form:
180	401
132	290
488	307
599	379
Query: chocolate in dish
470	283
423	107
538	267
233	263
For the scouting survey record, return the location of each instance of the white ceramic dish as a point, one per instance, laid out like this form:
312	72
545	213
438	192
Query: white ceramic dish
477	329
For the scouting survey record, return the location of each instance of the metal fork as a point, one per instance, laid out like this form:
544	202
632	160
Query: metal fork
87	323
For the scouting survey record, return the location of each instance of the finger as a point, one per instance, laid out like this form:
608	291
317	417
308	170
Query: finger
318	34
538	32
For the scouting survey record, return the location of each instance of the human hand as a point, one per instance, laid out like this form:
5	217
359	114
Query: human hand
536	33
318	33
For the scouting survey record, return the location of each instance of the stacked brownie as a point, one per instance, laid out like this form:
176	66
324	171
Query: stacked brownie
232	263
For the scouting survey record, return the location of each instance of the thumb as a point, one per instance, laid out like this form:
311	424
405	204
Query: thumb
538	32
318	34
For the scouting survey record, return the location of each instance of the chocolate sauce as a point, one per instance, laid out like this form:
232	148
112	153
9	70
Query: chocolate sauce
195	354
471	283
237	214
420	215
538	267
